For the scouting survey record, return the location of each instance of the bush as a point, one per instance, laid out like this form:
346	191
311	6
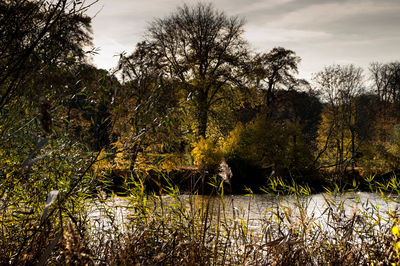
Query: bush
207	154
269	145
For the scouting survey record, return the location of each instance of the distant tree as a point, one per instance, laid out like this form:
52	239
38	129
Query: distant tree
204	51
339	86
86	104
275	71
366	116
299	107
386	81
269	145
386	85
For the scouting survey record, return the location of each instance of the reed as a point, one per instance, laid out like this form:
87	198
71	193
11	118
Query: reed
172	228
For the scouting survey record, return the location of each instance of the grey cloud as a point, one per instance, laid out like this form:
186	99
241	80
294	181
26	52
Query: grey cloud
320	31
364	27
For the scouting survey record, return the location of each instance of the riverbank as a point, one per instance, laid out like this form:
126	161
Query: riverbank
194	180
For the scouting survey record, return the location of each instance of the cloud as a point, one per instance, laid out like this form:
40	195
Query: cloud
320	31
249	7
321	14
263	36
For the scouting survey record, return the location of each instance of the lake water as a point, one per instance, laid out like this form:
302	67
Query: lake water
257	209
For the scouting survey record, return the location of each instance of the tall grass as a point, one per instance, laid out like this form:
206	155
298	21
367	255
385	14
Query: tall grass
177	229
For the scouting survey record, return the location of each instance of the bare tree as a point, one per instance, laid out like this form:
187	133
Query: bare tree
339	86
386	83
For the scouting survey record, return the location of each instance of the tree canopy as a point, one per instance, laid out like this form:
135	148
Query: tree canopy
202	49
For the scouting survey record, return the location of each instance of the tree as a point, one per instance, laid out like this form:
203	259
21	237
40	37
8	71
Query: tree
299	107
263	147
386	85
339	86
86	103
275	70
146	112
386	81
41	42
204	51
36	37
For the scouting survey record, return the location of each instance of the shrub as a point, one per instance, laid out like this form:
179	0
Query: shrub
269	145
207	154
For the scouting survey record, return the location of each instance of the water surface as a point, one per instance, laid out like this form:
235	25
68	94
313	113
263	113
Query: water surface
256	209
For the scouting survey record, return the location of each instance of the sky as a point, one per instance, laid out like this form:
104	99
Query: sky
321	32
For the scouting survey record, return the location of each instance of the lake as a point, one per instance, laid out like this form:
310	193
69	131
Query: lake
257	209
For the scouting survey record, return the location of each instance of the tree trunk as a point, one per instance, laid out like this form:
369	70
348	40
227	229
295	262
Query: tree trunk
353	149
268	96
342	151
202	115
203	119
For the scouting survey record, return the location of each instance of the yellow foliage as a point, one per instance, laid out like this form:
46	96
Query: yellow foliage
102	162
120	160
232	141
207	154
396	231
334	136
396	244
171	162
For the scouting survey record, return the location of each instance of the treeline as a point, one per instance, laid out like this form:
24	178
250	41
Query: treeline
191	95
195	93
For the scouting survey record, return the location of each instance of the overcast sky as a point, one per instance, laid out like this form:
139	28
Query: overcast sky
321	32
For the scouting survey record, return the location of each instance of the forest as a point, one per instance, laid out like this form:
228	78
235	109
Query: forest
193	109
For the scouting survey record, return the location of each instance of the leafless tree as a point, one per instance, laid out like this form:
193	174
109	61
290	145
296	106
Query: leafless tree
386	84
339	86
